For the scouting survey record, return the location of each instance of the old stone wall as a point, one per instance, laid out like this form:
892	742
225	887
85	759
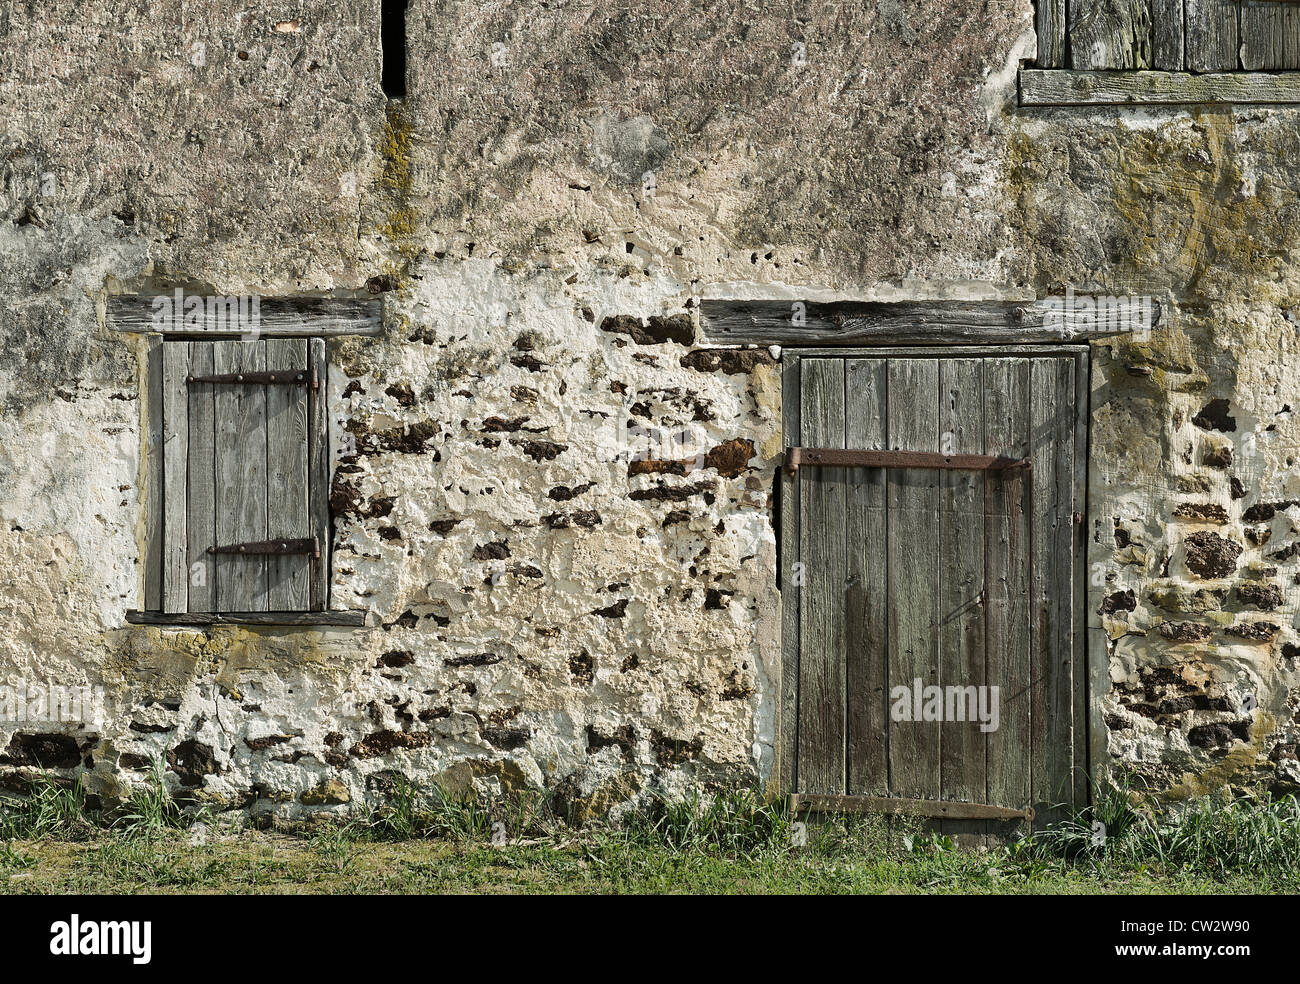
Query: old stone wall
542	214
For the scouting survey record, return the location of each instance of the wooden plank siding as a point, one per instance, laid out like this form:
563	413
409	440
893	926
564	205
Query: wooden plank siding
1051	388
866	594
822	701
287	489
1049	22
240	476
792	581
913	568
151	473
1213	38
1006	415
953	578
318	473
963	747
1270	35
1110	34
201	487
175	401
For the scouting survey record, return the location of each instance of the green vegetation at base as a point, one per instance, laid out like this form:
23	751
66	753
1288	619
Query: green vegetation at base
424	841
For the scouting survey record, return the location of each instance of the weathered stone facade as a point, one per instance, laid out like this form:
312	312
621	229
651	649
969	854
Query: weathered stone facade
542	216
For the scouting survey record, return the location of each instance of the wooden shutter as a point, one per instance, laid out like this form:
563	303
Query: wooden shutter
1213	36
1270	35
244	463
1169	35
1126	34
953	577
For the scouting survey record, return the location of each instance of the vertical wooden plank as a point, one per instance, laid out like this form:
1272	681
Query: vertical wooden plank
788	723
151	472
240	476
963	746
1110	34
200	493
1167	35
1079	554
1270	35
318	473
286	459
1063	699
1052	704
913	537
1006	414
866	615
1212	35
175	402
821	611
1049	22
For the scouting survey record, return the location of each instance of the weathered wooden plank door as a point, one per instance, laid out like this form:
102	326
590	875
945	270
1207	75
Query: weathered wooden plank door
1169	35
933	619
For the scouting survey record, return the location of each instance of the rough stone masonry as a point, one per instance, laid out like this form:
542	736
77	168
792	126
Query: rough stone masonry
542	214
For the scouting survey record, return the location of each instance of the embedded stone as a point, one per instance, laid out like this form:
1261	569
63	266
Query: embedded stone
1210	555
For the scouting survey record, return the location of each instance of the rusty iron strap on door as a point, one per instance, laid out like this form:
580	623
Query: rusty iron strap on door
796	458
304	545
286	377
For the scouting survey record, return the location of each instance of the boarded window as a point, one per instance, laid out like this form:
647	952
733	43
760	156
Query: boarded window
961	574
245	472
1169	35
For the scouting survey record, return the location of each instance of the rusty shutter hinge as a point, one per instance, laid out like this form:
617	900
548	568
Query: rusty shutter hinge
305	545
277	378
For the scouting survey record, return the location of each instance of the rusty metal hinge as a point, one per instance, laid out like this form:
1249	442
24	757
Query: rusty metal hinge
796	458
278	378
304	545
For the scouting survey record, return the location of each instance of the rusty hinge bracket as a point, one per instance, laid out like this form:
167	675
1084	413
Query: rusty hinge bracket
796	458
304	545
287	377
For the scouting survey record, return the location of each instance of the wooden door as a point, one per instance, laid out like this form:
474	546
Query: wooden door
964	583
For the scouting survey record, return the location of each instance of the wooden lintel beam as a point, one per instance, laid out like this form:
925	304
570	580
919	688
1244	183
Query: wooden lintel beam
352	618
202	316
1052	319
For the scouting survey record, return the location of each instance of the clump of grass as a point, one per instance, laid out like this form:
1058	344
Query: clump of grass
737	822
51	809
152	810
1222	834
57	809
410	813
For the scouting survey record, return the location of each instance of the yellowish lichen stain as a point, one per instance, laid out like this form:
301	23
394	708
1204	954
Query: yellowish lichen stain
398	225
1191	220
163	662
1241	765
1189	205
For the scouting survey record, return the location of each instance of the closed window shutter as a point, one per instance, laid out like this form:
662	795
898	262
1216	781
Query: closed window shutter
244	464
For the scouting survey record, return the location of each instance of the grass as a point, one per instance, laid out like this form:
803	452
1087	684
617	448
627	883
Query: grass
729	842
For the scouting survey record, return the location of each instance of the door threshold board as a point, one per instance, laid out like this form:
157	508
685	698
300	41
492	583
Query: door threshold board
819	803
